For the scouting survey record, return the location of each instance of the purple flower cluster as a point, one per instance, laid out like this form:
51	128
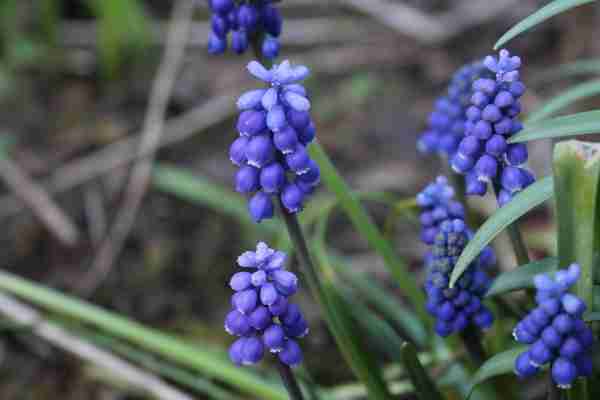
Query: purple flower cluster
555	331
246	20
458	307
437	205
483	154
275	127
261	314
446	124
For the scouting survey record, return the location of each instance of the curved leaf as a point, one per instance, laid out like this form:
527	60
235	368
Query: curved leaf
559	127
196	357
425	388
554	8
501	363
566	98
521	277
365	225
575	68
524	201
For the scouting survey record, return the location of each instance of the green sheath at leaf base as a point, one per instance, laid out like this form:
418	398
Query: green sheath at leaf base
576	186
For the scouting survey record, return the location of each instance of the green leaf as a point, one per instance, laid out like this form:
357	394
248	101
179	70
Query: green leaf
425	387
524	201
169	347
149	362
199	190
576	68
388	305
566	98
593	316
376	331
500	364
366	227
123	29
338	314
559	127
521	277
577	188
554	8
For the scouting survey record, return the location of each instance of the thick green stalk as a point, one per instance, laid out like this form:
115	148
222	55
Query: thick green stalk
576	170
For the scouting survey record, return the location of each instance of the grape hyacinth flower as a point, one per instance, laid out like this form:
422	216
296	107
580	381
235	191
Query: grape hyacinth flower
446	124
247	21
555	331
262	316
274	130
484	155
455	308
438	205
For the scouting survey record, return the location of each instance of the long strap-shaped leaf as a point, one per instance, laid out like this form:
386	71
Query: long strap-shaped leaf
570	125
554	8
366	227
568	70
564	99
169	347
425	388
522	277
524	201
501	363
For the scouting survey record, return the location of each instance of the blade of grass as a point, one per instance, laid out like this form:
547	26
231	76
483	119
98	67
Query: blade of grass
522	277
550	10
523	202
559	127
167	346
366	227
564	99
425	388
576	68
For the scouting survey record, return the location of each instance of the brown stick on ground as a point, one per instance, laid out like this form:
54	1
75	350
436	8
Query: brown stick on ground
135	189
36	198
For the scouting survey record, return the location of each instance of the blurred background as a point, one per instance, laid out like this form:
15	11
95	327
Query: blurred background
76	77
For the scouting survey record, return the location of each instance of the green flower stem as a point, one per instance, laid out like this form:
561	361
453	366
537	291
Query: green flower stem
514	233
289	381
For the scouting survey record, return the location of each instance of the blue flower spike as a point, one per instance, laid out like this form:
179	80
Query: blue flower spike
275	127
483	154
554	330
245	20
446	125
262	317
457	308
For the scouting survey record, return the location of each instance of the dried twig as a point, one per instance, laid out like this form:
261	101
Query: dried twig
36	198
124	151
152	130
144	382
95	213
431	29
298	32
